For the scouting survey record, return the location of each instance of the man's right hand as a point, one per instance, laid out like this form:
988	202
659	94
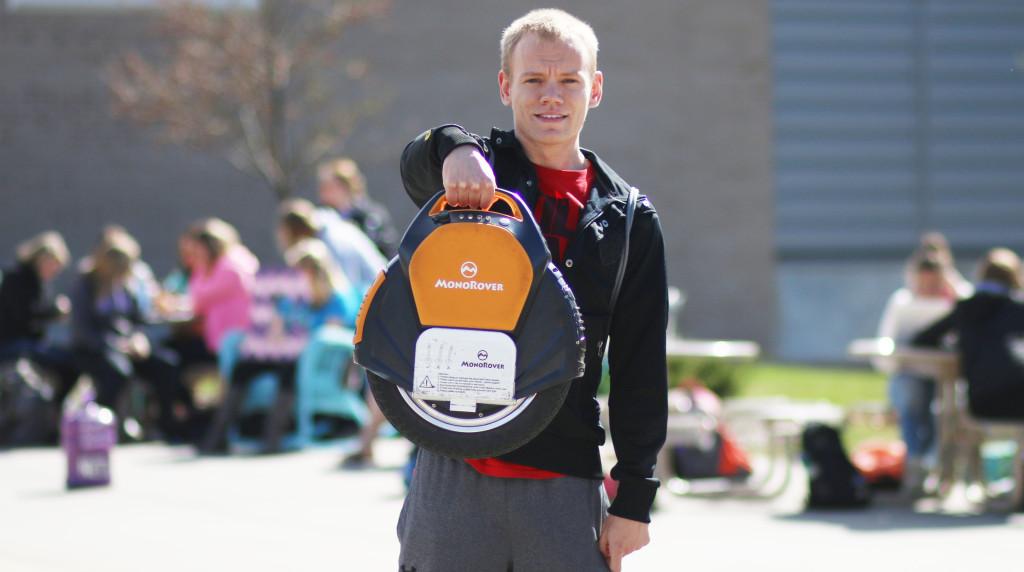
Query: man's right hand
467	177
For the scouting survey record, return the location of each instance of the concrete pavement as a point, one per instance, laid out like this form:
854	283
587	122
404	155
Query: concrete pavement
169	511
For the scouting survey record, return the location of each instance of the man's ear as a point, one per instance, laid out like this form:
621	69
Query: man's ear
597	89
504	88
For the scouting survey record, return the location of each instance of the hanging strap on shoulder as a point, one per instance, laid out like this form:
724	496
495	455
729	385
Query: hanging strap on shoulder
624	260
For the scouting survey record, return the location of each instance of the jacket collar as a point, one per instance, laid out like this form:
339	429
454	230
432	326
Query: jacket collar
609	187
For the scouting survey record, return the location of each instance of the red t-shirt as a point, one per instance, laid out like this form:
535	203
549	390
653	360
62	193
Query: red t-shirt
559	204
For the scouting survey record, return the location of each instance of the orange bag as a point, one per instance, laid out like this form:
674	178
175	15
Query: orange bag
881	462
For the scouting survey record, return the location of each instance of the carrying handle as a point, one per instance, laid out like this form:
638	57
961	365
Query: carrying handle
501	197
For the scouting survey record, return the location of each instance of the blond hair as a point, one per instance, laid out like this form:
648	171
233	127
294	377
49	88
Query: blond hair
345	171
215	235
1002	266
112	259
298	218
49	243
312	254
549	24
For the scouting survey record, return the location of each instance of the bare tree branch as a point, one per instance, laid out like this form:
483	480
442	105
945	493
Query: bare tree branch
260	86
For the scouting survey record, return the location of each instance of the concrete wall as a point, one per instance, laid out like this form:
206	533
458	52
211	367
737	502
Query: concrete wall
823	305
686	117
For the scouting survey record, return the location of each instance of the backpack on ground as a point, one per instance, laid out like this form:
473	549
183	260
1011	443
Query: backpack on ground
716	456
712	451
833	480
28	415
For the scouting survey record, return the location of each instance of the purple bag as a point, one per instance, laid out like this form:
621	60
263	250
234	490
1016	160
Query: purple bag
88	434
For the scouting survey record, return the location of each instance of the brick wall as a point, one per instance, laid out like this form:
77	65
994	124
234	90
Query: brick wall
686	117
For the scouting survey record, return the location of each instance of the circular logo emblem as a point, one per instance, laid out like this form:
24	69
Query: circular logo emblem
481	355
468	269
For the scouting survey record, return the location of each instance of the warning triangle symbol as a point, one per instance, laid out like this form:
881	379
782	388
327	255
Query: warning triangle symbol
426	383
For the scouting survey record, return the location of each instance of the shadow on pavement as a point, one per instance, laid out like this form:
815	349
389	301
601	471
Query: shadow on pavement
888	512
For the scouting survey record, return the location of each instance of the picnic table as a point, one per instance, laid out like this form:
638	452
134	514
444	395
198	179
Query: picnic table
960	435
942	366
735	350
692	427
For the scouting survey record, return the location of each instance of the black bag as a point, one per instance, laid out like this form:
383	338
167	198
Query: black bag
28	415
834	481
697	461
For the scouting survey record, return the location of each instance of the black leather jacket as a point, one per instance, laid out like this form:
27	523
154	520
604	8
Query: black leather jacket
637	400
25	306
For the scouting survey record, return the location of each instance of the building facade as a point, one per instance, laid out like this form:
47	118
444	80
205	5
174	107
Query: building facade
892	118
686	118
795	149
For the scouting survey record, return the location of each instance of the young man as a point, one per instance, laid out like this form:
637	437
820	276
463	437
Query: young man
542	507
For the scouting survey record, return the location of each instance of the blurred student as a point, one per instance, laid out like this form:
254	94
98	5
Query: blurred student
989	330
342	189
352	251
176	281
107	339
331	303
925	298
360	262
143	283
933	244
27	308
221	272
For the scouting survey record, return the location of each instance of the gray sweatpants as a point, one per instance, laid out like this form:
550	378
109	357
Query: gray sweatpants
455	519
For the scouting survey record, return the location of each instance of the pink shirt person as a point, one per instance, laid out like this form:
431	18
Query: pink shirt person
220	294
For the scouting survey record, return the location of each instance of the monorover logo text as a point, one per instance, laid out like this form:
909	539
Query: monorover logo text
469	285
483	365
468	269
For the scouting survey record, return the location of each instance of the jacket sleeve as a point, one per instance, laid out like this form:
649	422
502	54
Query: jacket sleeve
423	157
86	330
933	334
637	404
15	303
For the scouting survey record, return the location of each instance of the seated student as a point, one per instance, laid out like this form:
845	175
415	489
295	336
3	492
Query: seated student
173	303
933	244
331	302
352	251
27	308
989	327
143	282
926	298
107	340
360	262
342	190
221	272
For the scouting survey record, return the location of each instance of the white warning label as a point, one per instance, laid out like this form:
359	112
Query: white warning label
465	366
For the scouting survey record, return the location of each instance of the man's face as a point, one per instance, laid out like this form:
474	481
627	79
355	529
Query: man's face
550	88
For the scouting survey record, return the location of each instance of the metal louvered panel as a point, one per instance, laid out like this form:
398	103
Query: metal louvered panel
894	117
975	121
845	127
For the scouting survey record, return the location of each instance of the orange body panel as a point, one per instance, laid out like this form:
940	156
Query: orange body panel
365	306
470	276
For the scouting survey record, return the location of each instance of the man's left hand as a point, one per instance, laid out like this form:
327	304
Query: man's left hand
619	537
